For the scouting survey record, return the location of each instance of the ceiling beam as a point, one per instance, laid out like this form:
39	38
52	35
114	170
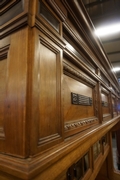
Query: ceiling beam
115	62
95	3
114	52
110	40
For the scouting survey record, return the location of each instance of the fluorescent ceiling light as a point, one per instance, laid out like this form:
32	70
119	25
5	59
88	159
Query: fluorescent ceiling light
116	69
107	30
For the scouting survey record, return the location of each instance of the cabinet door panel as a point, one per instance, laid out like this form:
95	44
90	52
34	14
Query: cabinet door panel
46	111
13	85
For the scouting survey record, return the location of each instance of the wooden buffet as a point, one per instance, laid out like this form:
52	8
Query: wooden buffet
59	99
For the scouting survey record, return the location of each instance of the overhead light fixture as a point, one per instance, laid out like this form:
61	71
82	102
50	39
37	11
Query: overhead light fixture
107	30
116	69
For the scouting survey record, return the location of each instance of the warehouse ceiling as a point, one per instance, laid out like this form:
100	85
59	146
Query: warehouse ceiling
104	13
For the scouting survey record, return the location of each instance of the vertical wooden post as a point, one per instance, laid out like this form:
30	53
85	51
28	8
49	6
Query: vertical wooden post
100	113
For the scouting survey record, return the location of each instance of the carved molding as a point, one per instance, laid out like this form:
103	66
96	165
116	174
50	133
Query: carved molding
57	9
48	138
72	7
10	11
77	74
4	3
50	33
13	16
4	52
30	167
106	115
104	90
81	123
72	35
48	45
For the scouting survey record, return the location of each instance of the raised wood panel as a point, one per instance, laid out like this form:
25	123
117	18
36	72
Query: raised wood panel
15	95
105	99
78	117
74	112
48	94
4	49
45	93
3	75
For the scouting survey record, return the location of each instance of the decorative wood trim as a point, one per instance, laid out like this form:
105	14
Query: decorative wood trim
17	20
75	60
70	71
57	10
48	139
80	45
6	4
39	24
50	33
14	25
48	45
113	96
74	128
105	90
94	43
4	52
80	123
39	165
10	10
104	79
106	115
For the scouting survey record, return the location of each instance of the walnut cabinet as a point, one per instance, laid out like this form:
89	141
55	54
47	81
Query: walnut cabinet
59	99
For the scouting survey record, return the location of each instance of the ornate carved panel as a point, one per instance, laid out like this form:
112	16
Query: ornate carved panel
78	75
79	100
